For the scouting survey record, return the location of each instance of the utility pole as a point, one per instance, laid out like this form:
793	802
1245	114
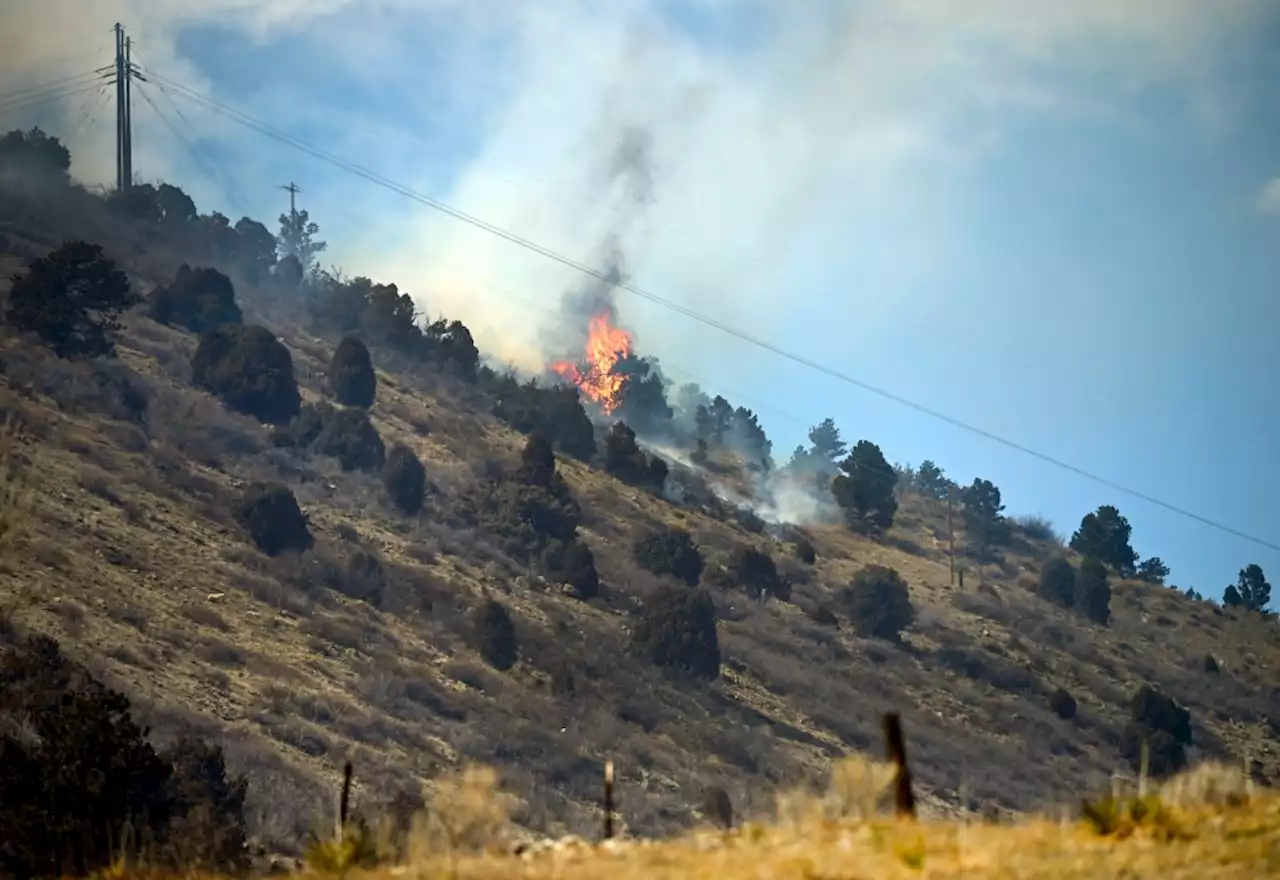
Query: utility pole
292	242
951	537
293	190
128	111
124	121
120	105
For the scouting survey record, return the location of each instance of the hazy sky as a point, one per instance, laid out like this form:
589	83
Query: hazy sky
1057	221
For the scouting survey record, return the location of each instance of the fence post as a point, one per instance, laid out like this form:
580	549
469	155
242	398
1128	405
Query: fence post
344	801
608	799
904	800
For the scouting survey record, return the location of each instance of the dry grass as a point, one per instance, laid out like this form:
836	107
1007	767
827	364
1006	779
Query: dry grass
1208	823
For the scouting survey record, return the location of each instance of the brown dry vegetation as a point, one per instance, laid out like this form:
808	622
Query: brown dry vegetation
130	556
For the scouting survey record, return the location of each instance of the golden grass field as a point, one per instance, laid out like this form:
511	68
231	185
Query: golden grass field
128	555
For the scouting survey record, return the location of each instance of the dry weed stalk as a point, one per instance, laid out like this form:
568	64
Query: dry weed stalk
857	788
467	814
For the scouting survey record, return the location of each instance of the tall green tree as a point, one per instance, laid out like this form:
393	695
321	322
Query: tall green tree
931	481
825	441
1153	570
864	488
983	515
72	299
1104	536
297	238
1250	591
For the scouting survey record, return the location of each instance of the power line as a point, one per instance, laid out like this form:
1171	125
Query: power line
17	94
265	129
191	150
39	100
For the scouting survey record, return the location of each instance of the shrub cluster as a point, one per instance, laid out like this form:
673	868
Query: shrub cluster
670	552
271	516
1088	591
537	517
83	772
405	479
351	375
677	629
555	412
345	434
494	635
197	299
754	571
1165	726
878	603
625	460
250	370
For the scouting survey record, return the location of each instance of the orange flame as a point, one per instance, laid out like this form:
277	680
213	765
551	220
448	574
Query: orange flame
606	345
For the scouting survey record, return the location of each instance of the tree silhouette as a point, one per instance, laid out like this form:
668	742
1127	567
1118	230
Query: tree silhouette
249	369
1058	581
297	239
72	299
983	517
255	249
670	551
878	603
405	479
33	156
351	375
197	299
1152	570
825	441
865	488
931	481
1104	535
677	630
1251	591
1094	591
494	635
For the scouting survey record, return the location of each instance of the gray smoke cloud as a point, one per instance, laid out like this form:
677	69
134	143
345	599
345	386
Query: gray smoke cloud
627	183
824	133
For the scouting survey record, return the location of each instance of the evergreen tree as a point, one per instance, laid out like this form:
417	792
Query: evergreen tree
297	239
825	441
865	489
72	299
1104	535
1250	591
1153	570
983	517
931	482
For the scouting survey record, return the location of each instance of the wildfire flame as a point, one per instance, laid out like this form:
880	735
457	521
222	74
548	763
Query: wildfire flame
594	376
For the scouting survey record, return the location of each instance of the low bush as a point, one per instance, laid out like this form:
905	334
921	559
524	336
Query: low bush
878	603
250	370
270	514
670	552
677	630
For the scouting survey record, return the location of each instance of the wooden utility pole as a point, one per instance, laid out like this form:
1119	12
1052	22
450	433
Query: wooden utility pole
122	113
293	190
128	111
951	537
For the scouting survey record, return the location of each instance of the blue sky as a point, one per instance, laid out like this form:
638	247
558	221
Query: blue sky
1055	228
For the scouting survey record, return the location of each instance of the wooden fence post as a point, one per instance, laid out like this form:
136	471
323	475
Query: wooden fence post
344	801
904	800
608	799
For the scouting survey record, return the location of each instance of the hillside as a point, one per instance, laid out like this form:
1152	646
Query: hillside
129	554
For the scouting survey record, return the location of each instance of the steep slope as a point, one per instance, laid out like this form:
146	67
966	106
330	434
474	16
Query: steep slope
131	557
